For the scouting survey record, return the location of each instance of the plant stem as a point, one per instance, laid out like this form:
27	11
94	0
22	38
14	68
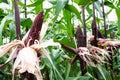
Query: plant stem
111	65
17	20
94	27
81	43
47	75
69	49
25	9
84	24
105	26
74	60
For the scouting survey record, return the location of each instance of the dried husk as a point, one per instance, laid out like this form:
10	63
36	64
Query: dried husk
93	55
27	60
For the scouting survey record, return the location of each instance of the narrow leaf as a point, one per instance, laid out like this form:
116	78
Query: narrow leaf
60	4
109	4
82	2
36	3
101	71
118	17
74	10
49	58
3	24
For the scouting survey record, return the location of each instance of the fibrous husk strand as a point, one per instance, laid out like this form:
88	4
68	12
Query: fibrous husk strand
93	55
5	48
28	62
108	44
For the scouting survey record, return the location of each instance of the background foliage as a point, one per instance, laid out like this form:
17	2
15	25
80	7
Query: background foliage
65	16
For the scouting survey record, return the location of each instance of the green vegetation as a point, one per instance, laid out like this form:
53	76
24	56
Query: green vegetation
86	41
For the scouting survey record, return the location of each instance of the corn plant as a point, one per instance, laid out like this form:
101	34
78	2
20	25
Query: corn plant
59	40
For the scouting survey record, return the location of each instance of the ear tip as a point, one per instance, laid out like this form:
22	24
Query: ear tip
41	12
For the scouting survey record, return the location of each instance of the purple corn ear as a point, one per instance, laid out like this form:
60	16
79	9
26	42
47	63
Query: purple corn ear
35	29
80	38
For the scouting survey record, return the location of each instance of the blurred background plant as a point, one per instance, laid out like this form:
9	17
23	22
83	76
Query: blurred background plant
65	16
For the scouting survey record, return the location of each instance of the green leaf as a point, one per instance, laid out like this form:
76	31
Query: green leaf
101	71
52	1
5	21
67	70
89	10
118	17
83	78
60	4
74	10
65	41
109	4
98	7
26	22
113	28
12	33
2	14
78	78
91	76
47	62
5	1
21	3
72	78
109	12
52	63
69	26
36	3
82	2
37	9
